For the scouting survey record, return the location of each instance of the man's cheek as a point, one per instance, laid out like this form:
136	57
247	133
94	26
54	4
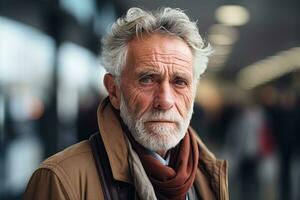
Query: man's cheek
140	102
188	101
183	103
140	109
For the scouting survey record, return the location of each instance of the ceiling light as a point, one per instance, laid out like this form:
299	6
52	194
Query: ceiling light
269	69
232	15
222	35
221	50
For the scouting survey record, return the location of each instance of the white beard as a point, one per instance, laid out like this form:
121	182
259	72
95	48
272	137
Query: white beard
157	137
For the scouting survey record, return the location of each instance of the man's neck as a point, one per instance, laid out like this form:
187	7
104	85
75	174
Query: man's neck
164	160
162	153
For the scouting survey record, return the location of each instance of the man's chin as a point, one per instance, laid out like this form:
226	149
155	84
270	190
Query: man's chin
161	128
156	140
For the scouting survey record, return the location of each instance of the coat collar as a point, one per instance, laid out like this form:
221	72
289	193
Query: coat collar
114	141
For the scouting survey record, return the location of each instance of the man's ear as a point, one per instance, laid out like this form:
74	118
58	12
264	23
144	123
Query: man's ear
113	90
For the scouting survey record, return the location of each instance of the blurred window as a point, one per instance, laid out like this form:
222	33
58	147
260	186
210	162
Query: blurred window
104	18
82	10
79	74
26	55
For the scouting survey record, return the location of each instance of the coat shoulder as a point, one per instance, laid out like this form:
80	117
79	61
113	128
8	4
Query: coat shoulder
74	157
75	169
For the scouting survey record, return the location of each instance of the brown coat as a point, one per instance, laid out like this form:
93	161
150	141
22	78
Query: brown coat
72	174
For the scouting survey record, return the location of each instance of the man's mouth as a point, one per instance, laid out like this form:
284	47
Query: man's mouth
160	121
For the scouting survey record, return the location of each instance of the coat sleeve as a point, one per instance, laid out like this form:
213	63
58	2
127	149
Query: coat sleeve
45	184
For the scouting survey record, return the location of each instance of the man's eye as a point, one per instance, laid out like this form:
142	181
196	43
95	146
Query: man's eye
146	80
181	82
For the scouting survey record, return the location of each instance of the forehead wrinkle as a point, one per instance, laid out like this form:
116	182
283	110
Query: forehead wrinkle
181	72
170	53
167	59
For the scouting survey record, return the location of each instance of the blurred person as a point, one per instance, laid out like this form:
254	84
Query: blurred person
241	148
251	150
283	114
295	165
145	148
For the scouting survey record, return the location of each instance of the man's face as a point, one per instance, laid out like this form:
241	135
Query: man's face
157	90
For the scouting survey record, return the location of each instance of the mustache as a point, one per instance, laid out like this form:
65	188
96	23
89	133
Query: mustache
161	116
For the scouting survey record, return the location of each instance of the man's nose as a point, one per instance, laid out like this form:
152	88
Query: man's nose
164	98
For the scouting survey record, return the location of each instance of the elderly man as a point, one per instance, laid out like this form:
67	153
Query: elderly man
145	148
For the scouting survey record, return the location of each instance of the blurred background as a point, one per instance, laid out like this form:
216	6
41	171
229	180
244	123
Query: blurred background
247	108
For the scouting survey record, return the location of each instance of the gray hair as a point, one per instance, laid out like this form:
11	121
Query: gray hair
166	21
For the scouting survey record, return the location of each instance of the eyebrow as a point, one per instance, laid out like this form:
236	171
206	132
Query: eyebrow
150	71
146	71
182	75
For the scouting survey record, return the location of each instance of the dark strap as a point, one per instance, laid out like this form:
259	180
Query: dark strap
112	189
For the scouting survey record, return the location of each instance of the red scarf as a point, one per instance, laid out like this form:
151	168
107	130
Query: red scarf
172	181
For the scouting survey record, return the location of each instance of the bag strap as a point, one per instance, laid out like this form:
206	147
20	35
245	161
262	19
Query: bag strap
112	189
108	184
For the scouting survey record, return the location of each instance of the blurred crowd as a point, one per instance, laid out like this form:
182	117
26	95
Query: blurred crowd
259	136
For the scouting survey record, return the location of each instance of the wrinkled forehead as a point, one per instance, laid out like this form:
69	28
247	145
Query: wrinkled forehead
159	47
